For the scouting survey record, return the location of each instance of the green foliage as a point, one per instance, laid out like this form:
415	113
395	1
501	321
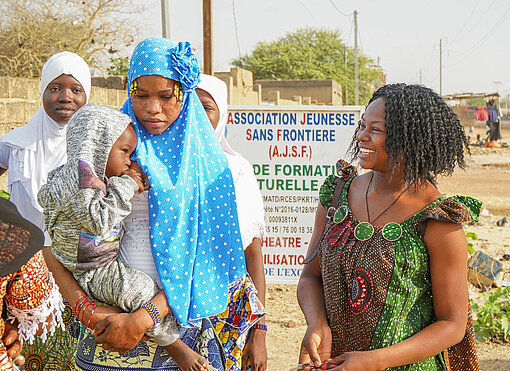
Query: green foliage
476	102
5	194
473	237
493	317
313	54
118	66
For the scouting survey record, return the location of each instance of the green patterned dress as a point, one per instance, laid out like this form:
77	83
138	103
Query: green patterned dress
57	352
378	292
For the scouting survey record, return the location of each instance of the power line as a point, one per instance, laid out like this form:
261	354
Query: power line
359	38
235	29
484	38
308	11
338	10
481	17
350	31
466	23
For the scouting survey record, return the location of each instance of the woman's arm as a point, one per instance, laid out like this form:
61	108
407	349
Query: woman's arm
117	331
447	247
255	350
316	344
71	290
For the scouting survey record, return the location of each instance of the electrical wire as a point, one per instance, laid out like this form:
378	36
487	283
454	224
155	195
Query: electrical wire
308	11
466	23
485	37
350	31
235	30
338	10
359	38
481	17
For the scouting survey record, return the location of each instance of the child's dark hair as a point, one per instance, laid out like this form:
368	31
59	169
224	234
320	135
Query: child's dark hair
421	130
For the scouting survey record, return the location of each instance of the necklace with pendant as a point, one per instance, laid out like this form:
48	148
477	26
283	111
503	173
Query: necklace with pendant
365	230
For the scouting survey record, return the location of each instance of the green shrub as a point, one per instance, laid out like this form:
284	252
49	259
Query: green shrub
493	317
473	237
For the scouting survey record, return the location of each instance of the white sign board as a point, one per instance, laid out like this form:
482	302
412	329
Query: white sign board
292	150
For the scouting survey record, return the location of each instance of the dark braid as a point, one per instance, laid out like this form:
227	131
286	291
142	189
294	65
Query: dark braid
421	130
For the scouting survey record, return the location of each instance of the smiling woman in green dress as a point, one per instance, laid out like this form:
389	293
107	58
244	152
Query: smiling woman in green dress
386	286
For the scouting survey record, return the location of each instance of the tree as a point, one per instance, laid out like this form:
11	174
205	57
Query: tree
118	66
311	53
32	30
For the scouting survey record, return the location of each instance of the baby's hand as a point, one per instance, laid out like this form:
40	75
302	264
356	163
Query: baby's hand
137	174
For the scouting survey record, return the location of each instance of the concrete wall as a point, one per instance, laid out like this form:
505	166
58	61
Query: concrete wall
465	115
327	92
241	90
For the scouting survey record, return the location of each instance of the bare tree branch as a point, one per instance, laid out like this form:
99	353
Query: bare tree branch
32	30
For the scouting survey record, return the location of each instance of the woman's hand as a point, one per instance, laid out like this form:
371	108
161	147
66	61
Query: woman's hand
100	313
121	332
255	352
356	361
11	340
316	345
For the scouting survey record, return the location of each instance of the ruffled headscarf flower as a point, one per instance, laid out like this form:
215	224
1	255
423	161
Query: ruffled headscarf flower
163	57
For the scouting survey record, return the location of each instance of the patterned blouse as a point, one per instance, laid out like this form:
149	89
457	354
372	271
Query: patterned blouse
32	298
378	292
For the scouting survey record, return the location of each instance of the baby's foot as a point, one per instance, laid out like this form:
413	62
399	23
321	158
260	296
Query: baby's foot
185	357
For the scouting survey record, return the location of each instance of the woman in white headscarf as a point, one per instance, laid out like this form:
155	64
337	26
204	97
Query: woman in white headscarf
32	150
29	153
212	93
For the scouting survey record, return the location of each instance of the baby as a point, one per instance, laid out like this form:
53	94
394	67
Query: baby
84	203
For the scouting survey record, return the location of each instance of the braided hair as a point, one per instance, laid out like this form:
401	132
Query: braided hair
422	131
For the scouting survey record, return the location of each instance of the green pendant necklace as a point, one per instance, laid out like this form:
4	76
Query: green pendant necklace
365	230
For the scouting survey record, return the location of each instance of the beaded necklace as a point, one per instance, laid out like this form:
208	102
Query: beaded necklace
365	230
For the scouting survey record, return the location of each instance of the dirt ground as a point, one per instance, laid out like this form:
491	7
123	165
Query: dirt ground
487	177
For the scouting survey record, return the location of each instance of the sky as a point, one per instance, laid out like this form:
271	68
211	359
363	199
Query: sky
404	35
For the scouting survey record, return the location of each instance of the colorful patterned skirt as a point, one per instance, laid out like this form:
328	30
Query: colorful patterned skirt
147	355
220	340
233	325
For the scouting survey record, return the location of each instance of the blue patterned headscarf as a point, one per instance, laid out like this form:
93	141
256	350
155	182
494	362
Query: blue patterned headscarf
194	229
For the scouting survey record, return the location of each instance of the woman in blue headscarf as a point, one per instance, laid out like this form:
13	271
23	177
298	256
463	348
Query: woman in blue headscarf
183	231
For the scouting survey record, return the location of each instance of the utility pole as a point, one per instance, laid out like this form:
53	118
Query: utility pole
420	76
356	83
207	36
165	18
441	67
507	102
345	75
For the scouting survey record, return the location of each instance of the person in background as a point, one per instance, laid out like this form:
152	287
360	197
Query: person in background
494	112
29	153
212	93
27	288
386	282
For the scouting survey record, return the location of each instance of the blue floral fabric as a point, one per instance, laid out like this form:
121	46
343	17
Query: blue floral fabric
194	229
147	355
